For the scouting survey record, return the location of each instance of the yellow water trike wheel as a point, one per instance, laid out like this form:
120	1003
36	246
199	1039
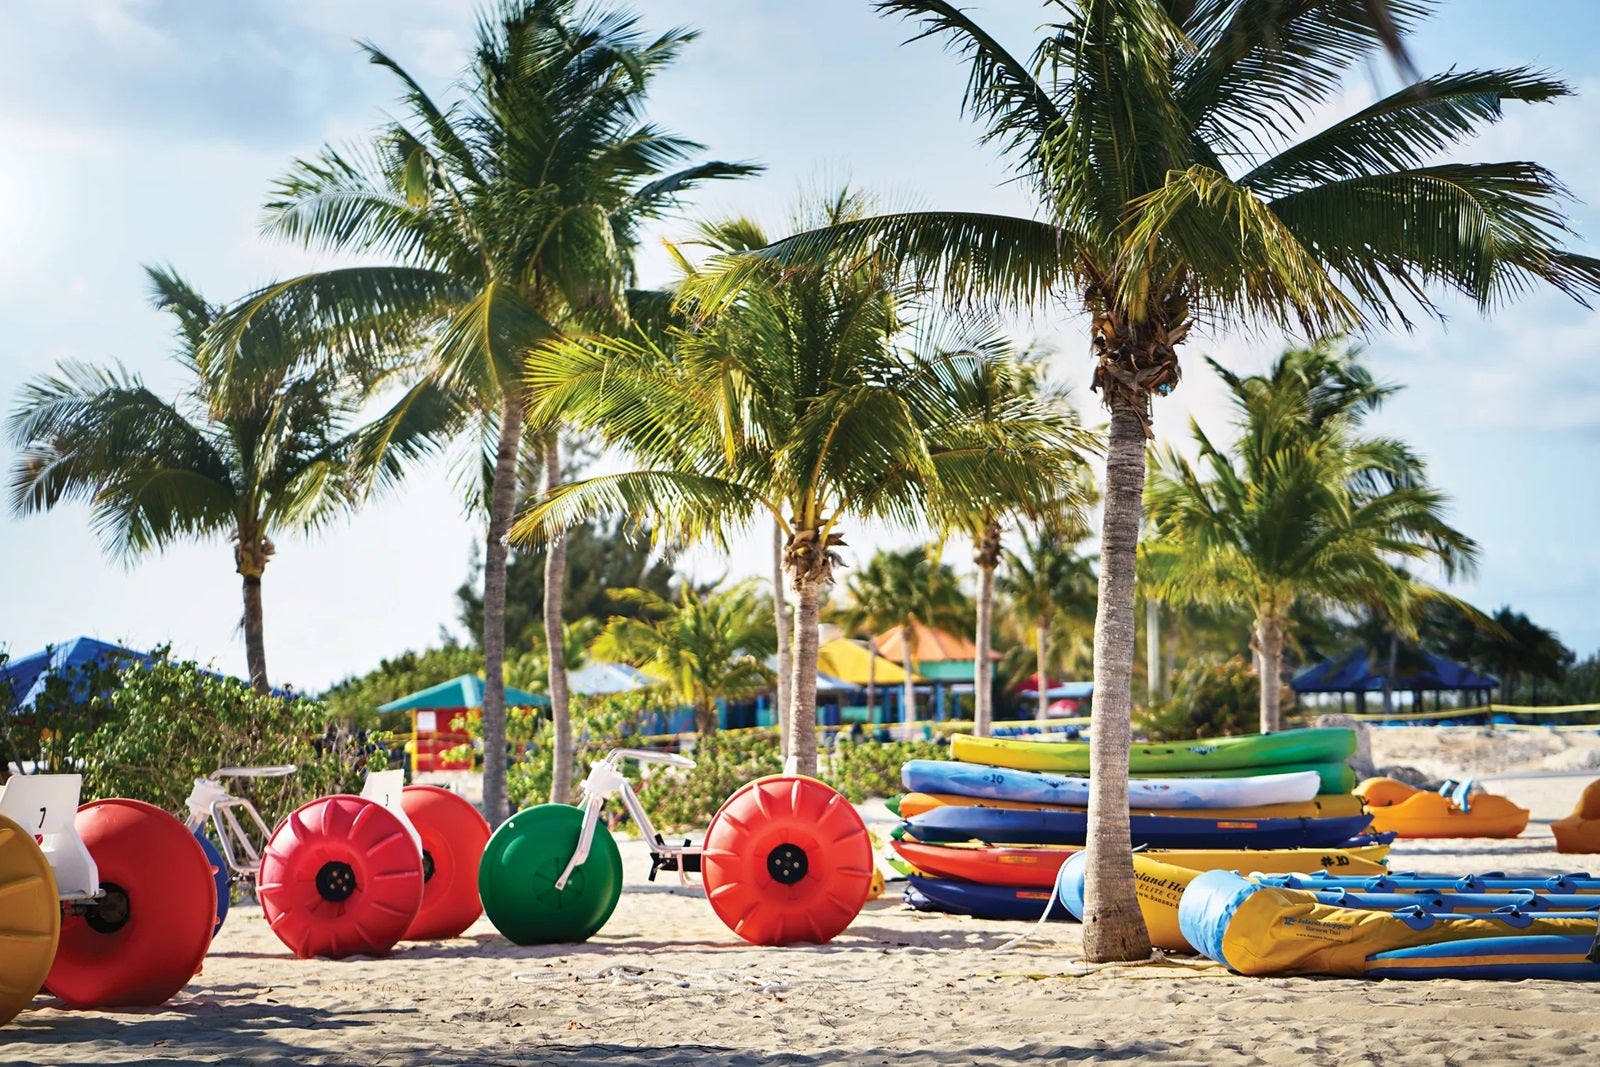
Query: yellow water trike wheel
30	918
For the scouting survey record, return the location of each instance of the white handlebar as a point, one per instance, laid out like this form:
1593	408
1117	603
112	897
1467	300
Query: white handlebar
645	755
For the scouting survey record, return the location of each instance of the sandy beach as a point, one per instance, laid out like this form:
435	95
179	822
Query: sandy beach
665	983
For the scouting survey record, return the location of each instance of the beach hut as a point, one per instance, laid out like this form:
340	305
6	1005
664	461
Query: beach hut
433	711
944	658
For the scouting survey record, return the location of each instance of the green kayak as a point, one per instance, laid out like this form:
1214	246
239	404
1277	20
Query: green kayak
1258	753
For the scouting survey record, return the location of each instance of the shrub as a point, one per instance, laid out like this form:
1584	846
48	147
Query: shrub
685	799
872	768
171	723
599	725
1208	700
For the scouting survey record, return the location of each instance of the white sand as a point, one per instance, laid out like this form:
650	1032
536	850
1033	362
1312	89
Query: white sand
666	984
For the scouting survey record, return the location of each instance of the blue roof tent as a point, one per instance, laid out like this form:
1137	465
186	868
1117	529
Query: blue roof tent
1351	673
28	675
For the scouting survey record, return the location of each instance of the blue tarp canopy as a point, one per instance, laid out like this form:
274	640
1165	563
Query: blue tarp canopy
1352	673
28	675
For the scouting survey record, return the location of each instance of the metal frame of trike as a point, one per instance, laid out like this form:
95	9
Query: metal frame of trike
605	781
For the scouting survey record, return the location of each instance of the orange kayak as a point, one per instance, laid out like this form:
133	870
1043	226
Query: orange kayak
1037	866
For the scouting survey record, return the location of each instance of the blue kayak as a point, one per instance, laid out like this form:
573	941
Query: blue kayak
981	901
1010	826
1041	787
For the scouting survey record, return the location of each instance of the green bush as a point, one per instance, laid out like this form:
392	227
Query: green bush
687	799
1208	700
69	707
599	725
171	723
872	768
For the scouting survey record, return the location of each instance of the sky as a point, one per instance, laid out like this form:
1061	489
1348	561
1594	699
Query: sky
147	132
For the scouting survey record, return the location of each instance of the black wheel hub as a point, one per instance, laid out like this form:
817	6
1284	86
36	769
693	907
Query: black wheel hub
336	882
787	864
427	866
110	913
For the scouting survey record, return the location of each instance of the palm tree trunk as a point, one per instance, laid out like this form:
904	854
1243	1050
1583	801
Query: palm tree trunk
803	691
1269	643
872	676
502	502
982	668
250	554
255	647
780	612
1152	649
555	582
987	556
1388	674
908	692
1041	637
1113	928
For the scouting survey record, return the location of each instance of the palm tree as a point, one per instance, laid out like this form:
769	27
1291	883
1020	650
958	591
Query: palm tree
510	217
1027	438
1303	506
235	456
705	647
1147	130
1047	583
791	397
900	590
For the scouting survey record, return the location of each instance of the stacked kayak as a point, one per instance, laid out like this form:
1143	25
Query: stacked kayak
1036	868
1007	814
1454	811
1322	749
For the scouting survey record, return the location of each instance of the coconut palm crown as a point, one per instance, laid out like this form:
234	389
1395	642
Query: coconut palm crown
1177	187
242	457
805	395
1303	505
507	217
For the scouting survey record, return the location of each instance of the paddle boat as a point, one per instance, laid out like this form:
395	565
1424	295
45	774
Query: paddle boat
1453	811
1580	831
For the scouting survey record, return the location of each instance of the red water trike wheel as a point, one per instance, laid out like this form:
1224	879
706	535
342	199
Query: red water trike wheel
453	835
145	937
787	859
341	876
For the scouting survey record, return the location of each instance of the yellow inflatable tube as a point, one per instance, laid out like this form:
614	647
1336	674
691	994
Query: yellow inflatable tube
1261	930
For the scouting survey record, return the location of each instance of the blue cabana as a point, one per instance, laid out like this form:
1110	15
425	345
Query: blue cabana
1427	673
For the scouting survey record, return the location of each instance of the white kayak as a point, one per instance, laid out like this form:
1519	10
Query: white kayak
1038	787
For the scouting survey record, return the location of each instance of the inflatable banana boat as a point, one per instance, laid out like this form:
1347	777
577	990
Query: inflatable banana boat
1257	929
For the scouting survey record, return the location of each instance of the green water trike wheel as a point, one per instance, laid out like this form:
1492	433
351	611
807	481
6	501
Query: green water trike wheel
30	918
521	863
